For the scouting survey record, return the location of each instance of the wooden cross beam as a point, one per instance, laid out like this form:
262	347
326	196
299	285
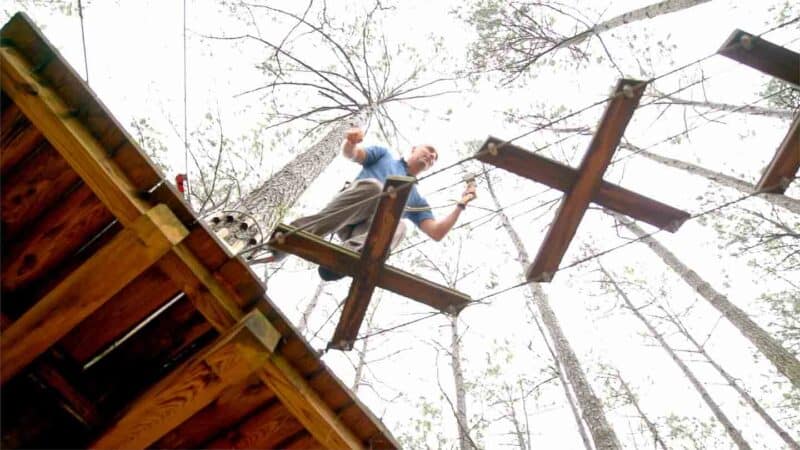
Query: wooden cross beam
783	168
585	184
763	55
783	64
368	269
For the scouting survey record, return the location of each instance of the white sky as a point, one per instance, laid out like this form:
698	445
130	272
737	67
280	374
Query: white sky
136	66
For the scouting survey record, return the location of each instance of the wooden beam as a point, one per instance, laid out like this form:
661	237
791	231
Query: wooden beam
18	138
43	106
231	407
266	428
194	385
783	168
306	405
590	174
559	176
339	259
763	55
31	189
375	251
109	270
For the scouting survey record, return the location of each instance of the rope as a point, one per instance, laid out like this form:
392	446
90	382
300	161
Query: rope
83	41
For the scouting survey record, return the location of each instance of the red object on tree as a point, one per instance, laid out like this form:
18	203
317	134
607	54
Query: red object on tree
180	181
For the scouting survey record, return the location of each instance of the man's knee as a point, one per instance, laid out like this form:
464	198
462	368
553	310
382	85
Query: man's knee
370	186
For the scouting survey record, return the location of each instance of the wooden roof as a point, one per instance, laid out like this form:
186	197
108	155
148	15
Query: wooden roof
125	322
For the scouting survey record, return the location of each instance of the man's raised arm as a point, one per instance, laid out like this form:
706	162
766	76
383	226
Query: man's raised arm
351	147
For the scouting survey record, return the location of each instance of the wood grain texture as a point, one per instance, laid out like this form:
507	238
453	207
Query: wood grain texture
86	289
375	251
231	407
306	405
130	306
266	428
33	188
61	232
590	174
193	385
18	137
345	261
762	55
559	176
68	135
783	167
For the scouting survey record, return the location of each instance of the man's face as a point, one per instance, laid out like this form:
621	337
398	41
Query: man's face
423	157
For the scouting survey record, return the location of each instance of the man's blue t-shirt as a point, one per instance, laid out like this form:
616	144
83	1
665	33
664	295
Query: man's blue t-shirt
380	164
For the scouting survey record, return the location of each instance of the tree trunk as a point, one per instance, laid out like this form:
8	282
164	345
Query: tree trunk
512	412
301	326
744	109
647	12
461	393
362	352
780	200
602	433
269	202
564	383
635	402
740	390
729	428
783	360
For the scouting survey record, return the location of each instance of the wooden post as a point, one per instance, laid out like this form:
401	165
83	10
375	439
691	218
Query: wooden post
375	251
763	55
783	168
590	174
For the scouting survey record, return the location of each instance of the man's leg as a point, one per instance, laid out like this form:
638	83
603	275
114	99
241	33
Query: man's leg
356	242
353	205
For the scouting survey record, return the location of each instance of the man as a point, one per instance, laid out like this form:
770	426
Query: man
352	224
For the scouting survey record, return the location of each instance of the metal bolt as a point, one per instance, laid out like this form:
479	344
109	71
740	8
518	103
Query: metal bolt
493	149
627	91
280	238
391	191
747	41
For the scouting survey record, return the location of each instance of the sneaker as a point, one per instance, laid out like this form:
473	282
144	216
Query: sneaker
328	275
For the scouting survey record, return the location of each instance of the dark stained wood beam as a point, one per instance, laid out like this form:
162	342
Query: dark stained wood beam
339	259
783	168
18	137
559	176
763	55
195	384
107	272
266	428
375	251
590	174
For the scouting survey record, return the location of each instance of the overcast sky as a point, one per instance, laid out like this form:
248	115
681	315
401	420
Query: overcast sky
135	59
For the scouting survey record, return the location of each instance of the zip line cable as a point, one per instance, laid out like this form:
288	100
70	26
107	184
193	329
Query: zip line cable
83	42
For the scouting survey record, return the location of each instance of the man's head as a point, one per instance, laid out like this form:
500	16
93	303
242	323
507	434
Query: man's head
421	158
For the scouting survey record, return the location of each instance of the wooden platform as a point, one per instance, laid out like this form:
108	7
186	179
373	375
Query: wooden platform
125	323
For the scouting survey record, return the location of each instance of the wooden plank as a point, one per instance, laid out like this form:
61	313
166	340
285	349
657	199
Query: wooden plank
265	429
86	289
194	385
590	173
232	406
306	405
375	251
762	55
126	309
783	167
18	138
59	234
32	188
345	261
72	399
170	338
559	176
302	442
68	135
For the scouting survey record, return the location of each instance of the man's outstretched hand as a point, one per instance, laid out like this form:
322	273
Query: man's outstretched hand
469	193
354	135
